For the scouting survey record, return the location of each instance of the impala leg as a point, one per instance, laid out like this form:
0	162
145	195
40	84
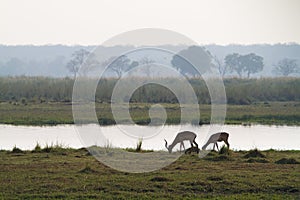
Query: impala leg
226	142
195	143
217	146
180	146
214	146
183	145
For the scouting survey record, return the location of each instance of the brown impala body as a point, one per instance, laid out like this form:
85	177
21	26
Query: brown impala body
182	136
217	137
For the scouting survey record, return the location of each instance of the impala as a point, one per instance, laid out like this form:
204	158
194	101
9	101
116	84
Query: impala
182	136
217	137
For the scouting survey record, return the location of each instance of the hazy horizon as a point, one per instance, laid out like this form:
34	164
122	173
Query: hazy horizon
93	22
208	44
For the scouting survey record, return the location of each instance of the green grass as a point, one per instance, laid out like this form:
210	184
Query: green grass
77	175
275	113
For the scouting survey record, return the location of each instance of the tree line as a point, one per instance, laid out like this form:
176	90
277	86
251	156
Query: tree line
23	90
191	62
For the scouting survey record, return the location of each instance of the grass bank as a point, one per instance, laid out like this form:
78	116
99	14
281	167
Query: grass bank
53	113
74	174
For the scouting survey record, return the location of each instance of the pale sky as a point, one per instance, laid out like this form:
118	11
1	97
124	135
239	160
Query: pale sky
92	22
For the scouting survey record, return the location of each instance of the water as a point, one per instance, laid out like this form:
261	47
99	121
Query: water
241	137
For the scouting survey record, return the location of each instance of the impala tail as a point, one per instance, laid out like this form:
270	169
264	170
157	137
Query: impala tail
166	144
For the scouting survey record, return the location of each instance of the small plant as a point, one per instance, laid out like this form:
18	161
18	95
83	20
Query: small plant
24	101
139	145
192	150
47	148
224	150
255	153
16	150
87	169
37	148
108	146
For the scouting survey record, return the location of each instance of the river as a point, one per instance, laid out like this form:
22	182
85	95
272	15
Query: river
241	137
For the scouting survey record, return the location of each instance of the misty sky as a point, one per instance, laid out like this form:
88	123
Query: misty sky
94	21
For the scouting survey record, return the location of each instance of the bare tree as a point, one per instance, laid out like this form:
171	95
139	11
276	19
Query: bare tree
78	57
147	62
286	67
222	68
120	65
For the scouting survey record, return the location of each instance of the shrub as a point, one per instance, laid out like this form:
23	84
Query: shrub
287	161
255	153
17	150
47	149
87	170
24	101
224	150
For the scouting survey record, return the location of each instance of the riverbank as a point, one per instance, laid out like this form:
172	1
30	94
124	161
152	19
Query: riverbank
53	113
55	172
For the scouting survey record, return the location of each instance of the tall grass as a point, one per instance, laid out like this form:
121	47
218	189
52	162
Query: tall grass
26	90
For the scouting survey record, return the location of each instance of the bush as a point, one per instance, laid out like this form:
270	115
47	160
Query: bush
287	161
255	153
47	149
17	150
24	101
224	150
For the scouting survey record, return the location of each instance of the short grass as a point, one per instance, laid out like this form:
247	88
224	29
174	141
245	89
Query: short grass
75	174
275	113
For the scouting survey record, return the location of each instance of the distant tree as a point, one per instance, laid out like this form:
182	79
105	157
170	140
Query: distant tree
221	66
120	65
147	62
286	67
192	61
14	66
78	59
249	64
252	63
232	61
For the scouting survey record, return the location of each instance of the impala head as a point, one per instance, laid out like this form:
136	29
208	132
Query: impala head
204	147
169	149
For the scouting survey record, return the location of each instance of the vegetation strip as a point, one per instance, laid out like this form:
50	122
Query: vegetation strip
55	172
53	113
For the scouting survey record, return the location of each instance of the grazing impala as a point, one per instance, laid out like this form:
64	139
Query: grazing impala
182	136
215	138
